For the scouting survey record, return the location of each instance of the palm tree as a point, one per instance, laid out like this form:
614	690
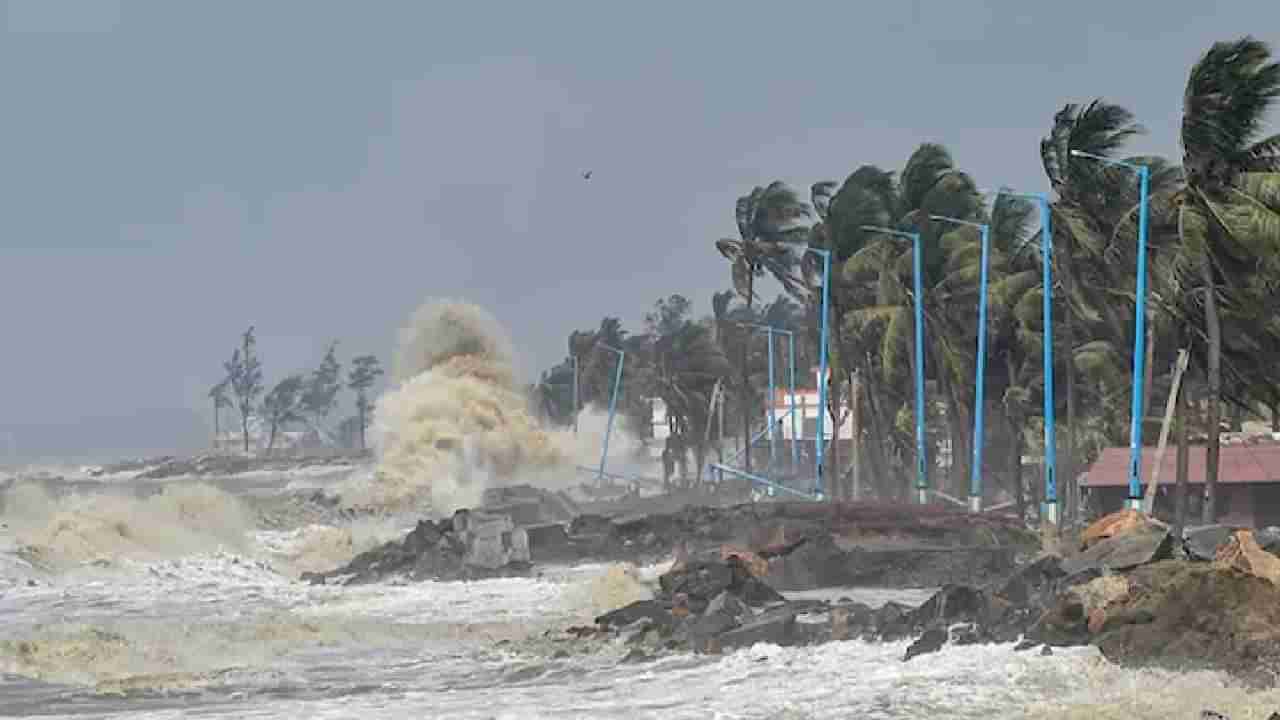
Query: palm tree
770	222
687	365
1091	202
1229	209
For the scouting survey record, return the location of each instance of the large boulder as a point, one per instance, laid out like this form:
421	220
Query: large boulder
702	580
1203	543
1140	545
1116	524
1242	552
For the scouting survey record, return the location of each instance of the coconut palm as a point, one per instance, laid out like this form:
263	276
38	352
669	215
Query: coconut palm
1228	211
771	221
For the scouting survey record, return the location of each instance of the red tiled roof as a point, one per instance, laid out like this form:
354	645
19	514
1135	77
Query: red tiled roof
1238	464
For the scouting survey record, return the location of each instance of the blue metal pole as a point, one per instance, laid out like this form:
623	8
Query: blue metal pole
773	412
1050	513
1139	348
791	384
922	476
613	404
1134	501
975	477
821	439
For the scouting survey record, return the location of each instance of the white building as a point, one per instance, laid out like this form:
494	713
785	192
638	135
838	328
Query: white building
807	411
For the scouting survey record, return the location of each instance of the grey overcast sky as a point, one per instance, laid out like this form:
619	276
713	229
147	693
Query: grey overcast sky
171	172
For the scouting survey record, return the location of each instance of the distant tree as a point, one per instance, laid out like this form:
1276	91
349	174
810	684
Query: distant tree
218	393
668	315
283	405
244	376
365	371
320	394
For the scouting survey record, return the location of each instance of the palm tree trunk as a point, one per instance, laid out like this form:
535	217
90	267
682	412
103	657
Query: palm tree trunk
244	428
1275	417
877	456
1015	468
1180	488
855	415
831	473
1214	376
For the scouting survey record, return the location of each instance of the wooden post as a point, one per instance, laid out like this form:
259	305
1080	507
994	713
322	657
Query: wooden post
1179	367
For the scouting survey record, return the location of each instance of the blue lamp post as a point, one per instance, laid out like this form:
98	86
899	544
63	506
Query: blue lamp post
1134	501
820	440
922	473
1049	512
791	389
980	373
613	405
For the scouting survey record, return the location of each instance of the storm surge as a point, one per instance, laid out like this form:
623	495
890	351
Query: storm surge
455	419
58	533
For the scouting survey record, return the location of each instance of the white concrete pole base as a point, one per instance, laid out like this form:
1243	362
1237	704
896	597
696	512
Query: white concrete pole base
975	503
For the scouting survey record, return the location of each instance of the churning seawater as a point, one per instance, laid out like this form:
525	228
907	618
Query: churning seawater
230	632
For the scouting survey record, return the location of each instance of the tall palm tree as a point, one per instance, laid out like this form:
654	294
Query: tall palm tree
1229	209
1090	202
771	221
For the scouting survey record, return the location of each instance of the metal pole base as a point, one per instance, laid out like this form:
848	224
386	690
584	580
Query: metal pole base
1049	513
922	496
1133	504
975	503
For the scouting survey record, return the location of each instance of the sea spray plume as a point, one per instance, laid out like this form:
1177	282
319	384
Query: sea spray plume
457	420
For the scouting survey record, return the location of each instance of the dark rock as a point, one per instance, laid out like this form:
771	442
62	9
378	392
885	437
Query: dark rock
1065	624
729	605
597	525
891	621
1122	552
703	580
1033	582
548	542
812	562
697	629
777	627
1268	539
931	641
655	611
1202	543
1046	651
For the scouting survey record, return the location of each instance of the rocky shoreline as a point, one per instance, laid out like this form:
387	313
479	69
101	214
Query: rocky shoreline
1142	598
1209	600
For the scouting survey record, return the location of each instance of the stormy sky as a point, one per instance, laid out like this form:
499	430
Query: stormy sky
172	172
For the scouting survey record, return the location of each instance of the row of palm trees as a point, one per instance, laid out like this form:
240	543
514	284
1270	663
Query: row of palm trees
1214	285
1214	243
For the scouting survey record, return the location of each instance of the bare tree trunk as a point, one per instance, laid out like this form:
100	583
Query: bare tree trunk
1183	458
244	428
1214	376
1275	417
217	414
